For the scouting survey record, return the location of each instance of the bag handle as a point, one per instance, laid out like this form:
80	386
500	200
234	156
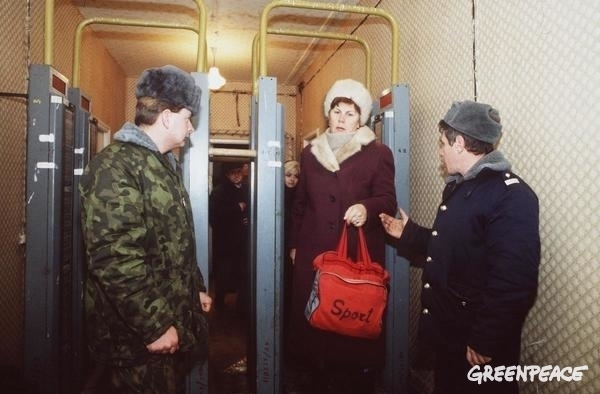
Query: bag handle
342	248
362	251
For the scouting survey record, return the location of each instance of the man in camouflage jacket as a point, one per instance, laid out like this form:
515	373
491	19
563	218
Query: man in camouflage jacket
144	293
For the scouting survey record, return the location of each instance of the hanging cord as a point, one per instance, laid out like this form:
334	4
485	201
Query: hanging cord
28	34
474	54
237	108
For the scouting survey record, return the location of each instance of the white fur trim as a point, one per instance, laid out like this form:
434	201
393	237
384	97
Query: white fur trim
331	161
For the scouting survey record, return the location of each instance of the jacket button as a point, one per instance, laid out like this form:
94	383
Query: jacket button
463	303
429	259
434	233
331	198
426	286
425	311
443	208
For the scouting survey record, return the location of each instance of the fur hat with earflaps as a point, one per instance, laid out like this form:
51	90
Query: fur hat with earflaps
353	90
171	85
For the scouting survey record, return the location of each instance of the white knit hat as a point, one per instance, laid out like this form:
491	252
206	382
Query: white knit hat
353	90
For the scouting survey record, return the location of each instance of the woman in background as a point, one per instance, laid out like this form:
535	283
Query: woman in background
291	170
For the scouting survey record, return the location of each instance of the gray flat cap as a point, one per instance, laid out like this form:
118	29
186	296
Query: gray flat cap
476	120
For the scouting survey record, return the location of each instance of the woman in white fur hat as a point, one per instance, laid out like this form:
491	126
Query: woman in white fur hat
347	178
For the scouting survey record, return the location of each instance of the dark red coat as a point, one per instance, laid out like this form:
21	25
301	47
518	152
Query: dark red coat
362	171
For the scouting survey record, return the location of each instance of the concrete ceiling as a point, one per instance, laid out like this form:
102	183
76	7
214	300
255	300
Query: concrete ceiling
230	31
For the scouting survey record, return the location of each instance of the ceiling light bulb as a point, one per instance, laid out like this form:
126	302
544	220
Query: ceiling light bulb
215	79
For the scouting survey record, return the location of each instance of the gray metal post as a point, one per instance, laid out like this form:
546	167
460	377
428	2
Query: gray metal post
269	237
81	157
48	228
394	112
195	175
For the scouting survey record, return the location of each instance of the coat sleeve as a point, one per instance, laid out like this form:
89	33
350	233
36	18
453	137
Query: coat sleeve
512	264
383	190
114	228
224	207
413	242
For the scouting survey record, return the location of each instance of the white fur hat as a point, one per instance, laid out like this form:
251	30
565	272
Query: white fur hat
353	90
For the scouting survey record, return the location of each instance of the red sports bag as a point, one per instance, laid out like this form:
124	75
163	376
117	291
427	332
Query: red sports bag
348	297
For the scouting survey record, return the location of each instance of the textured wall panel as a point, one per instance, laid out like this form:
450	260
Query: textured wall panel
16	24
12	210
538	61
230	112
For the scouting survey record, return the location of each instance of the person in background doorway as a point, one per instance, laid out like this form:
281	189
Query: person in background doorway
228	204
347	178
481	256
144	293
246	173
291	170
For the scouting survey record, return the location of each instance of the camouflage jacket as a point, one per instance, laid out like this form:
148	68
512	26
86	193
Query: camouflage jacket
139	237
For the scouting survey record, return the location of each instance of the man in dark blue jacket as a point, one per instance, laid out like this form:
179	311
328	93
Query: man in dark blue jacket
480	258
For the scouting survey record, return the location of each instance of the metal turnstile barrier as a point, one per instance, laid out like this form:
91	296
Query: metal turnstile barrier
194	163
392	124
81	157
49	226
267	239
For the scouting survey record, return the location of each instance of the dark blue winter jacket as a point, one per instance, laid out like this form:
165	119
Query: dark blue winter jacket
481	259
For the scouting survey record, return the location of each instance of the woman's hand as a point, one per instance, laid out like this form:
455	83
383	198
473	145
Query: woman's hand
393	226
293	255
356	215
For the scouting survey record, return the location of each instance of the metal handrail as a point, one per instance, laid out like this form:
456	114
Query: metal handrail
120	22
327	7
201	31
307	33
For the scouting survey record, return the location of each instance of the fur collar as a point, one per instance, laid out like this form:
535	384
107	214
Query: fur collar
132	134
494	160
331	161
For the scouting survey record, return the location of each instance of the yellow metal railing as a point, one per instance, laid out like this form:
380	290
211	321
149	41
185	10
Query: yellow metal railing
306	33
120	22
49	34
327	7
